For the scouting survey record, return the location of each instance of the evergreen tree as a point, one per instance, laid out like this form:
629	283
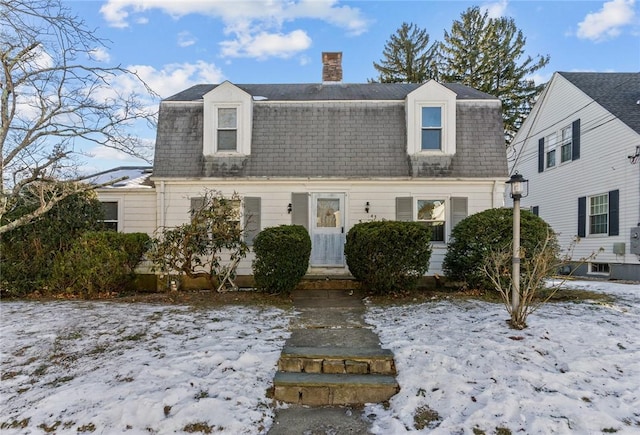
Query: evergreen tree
408	58
488	54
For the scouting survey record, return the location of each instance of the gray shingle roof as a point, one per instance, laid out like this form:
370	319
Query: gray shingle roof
619	93
328	92
366	138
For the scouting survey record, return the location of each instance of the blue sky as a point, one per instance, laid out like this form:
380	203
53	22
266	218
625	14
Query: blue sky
174	44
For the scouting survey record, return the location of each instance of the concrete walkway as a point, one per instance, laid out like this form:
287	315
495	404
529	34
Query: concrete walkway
329	323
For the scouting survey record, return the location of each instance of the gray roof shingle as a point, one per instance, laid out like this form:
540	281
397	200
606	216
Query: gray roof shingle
619	93
327	138
328	92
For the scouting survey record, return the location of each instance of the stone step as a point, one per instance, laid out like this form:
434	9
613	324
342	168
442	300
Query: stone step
337	360
314	389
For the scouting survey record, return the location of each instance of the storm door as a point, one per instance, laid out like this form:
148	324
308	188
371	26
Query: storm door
327	229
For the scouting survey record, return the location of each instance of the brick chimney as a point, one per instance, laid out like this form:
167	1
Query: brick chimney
332	67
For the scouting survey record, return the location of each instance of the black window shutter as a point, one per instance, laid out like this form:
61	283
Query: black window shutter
535	210
575	140
614	214
541	155
582	216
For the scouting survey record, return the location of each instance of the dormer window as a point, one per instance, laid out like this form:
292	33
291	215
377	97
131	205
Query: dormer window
228	112
227	129
431	128
431	121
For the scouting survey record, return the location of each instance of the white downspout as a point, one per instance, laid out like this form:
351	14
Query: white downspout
162	216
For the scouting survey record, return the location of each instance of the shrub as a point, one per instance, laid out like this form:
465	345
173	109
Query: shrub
198	248
98	263
388	256
28	252
282	257
481	235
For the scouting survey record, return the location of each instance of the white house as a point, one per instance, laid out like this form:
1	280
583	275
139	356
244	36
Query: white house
580	150
329	155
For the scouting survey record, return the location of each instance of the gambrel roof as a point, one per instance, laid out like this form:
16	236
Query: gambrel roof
331	92
619	93
337	130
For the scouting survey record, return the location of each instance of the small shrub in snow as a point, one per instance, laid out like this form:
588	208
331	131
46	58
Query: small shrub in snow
282	257
98	262
480	235
388	256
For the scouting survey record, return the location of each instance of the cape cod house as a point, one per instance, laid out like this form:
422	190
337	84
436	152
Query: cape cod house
580	150
329	155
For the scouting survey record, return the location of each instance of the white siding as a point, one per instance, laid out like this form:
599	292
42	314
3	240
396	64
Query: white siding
603	166
381	195
136	209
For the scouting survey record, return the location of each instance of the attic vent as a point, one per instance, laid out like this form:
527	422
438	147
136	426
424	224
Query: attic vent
332	67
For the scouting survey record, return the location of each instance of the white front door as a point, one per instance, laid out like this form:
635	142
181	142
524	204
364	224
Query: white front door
327	229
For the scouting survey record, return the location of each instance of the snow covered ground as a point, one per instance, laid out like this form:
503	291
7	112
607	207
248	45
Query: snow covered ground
107	367
574	370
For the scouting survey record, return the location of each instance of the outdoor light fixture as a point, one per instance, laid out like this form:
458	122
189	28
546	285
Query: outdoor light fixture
366	207
289	208
519	189
519	186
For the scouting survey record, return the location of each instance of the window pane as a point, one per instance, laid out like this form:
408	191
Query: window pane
437	231
226	140
599	214
566	134
431	117
110	211
431	139
430	210
328	213
227	118
551	158
566	153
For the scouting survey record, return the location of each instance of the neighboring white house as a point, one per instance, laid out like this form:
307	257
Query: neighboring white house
580	150
329	155
129	204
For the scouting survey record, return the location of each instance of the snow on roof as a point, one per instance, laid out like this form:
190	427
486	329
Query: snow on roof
136	176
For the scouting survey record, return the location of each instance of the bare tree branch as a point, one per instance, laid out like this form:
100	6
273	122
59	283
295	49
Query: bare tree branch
55	97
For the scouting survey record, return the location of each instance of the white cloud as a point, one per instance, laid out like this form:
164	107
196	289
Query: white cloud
256	26
186	39
607	22
496	9
264	45
100	54
173	78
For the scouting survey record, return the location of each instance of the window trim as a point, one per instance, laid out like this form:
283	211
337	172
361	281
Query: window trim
219	128
598	272
119	220
447	213
439	128
431	94
227	95
590	215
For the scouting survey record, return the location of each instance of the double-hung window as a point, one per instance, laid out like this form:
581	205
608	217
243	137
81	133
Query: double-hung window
227	129
431	128
599	214
433	213
565	144
110	209
551	150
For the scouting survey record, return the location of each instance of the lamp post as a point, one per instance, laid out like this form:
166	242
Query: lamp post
519	188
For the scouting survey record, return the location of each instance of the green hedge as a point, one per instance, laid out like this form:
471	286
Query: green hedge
27	253
282	258
98	263
480	234
388	256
